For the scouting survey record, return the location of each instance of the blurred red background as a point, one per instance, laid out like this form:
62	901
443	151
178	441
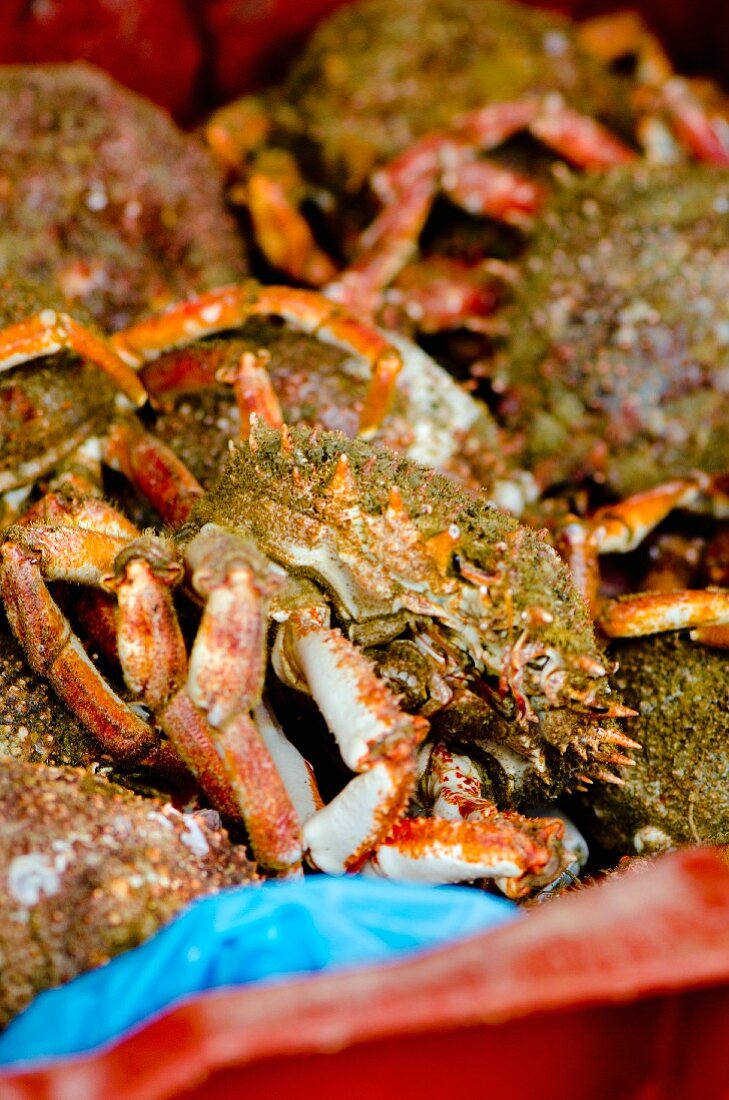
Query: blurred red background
192	54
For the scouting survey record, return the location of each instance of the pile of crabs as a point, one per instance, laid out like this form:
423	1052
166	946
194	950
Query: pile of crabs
363	465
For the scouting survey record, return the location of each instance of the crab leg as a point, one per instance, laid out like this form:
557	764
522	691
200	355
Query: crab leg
273	190
698	610
701	129
434	850
54	651
621	527
622	34
49	332
154	469
254	393
446	161
273	194
376	739
468	838
224	683
230	307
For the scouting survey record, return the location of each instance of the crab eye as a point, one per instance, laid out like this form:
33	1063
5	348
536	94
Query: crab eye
537	664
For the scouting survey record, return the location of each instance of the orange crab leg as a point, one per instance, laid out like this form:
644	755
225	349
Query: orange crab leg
272	193
230	307
653	612
49	332
618	529
623	34
254	393
237	130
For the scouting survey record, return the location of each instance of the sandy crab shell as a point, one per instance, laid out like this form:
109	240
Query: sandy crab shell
103	196
677	793
617	365
88	870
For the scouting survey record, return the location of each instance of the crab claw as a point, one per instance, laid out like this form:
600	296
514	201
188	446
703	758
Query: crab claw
523	853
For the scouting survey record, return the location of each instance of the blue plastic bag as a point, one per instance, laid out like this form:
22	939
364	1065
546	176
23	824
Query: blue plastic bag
249	934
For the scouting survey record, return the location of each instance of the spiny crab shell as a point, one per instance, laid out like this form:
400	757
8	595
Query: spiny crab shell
104	198
47	408
404	553
88	870
678	792
431	419
376	76
617	363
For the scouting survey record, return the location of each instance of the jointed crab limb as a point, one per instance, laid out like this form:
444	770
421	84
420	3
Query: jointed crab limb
49	332
273	194
468	838
254	393
225	681
698	610
230	307
621	527
55	652
522	853
446	162
376	739
217	739
698	120
154	469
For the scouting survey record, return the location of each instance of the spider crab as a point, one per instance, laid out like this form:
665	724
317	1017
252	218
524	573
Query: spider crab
104	199
396	107
90	870
677	792
613	376
359	560
331	369
212	361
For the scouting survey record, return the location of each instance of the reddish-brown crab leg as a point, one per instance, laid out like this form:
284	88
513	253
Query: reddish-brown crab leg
697	610
230	759
49	332
52	648
154	469
581	140
446	161
376	739
486	128
703	131
190	370
225	681
229	308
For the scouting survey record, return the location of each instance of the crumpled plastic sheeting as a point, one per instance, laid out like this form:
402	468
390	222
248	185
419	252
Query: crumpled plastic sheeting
246	935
